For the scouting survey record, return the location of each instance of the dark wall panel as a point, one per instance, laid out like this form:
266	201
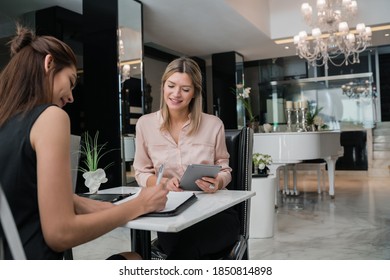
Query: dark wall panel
101	86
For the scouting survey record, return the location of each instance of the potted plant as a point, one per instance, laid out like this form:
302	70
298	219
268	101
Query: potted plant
260	162
313	120
92	152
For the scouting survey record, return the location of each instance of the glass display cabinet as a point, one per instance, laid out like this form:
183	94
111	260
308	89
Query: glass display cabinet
344	101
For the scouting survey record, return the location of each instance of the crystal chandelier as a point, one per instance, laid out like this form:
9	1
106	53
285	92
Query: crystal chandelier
331	39
357	89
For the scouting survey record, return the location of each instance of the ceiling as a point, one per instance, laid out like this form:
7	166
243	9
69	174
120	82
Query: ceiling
203	27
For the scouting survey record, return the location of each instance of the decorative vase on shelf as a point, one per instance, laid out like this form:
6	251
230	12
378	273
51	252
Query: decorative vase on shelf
240	114
263	171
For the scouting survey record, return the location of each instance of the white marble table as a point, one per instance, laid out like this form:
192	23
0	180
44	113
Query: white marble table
205	206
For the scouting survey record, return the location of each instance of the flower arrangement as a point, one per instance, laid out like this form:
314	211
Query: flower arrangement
311	114
242	93
92	153
261	160
312	117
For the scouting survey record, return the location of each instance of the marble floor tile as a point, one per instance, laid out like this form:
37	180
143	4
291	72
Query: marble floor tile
354	225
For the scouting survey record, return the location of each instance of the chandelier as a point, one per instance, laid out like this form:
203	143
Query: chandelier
357	89
331	39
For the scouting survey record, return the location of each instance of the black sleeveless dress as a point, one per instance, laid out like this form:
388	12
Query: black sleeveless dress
18	176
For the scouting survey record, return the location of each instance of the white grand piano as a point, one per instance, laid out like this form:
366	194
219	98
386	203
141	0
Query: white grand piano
294	147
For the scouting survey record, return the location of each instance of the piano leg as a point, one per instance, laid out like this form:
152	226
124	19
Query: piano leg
331	161
295	192
286	189
286	179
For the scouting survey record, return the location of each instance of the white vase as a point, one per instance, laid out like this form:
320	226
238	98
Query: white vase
93	179
240	108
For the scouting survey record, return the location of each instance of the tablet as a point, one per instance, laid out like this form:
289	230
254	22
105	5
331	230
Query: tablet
108	197
195	172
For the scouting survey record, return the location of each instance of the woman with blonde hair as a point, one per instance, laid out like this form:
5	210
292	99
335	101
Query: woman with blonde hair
177	135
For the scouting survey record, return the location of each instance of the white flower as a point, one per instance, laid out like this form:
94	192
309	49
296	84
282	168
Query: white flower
93	179
267	127
246	92
318	121
261	160
242	93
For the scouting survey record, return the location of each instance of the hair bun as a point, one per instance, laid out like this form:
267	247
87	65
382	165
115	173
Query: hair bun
24	37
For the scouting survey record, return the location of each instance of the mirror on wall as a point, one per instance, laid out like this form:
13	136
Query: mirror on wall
130	63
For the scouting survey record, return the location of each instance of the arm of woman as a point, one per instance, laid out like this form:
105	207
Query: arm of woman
61	226
221	158
84	205
143	165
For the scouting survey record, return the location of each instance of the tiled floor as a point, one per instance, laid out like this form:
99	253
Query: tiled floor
354	225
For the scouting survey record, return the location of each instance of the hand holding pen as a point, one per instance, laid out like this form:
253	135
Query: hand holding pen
171	184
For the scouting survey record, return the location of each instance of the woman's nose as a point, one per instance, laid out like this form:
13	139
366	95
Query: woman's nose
176	91
70	98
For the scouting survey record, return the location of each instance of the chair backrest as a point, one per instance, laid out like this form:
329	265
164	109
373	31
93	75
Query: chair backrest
129	147
10	231
239	143
74	157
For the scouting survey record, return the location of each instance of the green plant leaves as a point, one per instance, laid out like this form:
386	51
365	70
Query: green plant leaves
92	152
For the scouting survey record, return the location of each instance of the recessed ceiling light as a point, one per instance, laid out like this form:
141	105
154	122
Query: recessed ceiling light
286	47
387	35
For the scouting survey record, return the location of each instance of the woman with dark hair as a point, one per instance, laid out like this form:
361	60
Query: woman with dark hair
177	135
35	154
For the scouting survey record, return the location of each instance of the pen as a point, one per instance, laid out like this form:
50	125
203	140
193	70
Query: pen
160	173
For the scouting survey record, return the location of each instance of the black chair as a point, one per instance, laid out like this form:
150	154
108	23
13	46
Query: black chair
240	146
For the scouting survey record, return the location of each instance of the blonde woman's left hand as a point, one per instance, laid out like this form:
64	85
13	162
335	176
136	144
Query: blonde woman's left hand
209	185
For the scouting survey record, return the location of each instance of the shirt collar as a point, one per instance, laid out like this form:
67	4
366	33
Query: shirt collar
161	119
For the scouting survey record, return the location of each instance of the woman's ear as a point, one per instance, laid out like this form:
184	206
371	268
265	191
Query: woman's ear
48	62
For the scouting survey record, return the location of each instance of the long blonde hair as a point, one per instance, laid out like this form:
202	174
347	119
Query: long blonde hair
190	67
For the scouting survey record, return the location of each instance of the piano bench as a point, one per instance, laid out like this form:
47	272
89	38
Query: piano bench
320	167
